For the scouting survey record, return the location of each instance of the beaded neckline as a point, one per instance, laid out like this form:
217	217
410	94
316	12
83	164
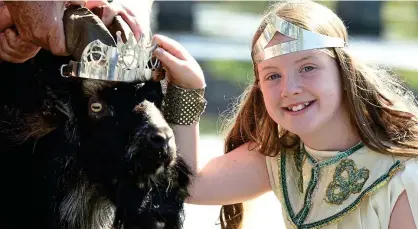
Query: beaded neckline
355	185
333	159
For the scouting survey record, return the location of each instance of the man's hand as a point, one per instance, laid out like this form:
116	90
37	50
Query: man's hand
5	18
13	49
28	26
136	14
40	22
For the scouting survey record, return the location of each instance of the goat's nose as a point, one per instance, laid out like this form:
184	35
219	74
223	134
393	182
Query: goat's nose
160	138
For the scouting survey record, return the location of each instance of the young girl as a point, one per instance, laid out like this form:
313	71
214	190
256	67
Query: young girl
334	139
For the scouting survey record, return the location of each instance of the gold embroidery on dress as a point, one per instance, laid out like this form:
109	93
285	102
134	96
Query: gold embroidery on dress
347	180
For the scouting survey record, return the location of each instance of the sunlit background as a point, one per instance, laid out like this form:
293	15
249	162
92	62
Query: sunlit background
218	35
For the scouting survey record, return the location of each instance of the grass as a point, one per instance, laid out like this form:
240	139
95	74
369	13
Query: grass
209	124
257	7
410	78
400	18
230	70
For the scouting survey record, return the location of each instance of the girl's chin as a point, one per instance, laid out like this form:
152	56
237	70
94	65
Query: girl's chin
301	128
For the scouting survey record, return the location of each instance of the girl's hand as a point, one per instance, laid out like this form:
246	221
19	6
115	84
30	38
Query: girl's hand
182	69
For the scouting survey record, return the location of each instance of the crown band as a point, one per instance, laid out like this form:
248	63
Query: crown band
303	40
128	62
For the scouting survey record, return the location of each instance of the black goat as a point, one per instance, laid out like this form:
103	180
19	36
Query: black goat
100	155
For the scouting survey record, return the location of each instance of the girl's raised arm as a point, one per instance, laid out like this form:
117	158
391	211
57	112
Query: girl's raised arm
231	178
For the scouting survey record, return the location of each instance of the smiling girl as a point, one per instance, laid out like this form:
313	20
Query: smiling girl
333	138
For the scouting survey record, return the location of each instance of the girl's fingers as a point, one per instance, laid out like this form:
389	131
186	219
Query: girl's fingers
169	61
171	46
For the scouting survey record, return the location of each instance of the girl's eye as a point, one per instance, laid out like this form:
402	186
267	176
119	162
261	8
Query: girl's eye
273	77
308	68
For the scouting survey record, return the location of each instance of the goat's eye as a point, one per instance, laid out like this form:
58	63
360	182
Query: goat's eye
96	107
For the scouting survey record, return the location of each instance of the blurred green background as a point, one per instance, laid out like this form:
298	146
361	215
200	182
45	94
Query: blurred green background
395	20
218	35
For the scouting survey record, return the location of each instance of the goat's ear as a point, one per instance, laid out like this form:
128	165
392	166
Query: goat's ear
58	108
45	119
63	119
38	125
20	127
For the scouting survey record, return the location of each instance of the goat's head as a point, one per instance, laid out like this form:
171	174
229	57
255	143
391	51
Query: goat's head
112	149
122	134
102	154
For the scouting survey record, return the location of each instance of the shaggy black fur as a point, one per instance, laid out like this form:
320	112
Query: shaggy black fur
89	169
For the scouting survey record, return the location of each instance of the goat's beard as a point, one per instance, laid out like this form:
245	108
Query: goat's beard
83	208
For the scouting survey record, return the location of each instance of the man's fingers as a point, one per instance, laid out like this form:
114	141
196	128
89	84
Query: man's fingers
108	12
5	57
7	49
25	49
14	47
11	38
8	54
171	46
95	3
133	24
80	3
6	20
129	11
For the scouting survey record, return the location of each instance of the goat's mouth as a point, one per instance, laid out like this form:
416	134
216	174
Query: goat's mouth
143	159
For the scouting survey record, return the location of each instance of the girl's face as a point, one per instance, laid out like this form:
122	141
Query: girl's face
302	92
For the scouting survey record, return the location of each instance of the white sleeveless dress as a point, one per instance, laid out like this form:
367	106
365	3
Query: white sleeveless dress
357	188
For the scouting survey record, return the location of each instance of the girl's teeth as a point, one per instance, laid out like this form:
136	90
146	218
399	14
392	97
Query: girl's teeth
298	107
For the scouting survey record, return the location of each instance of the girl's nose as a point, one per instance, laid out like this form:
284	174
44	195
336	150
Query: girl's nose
290	86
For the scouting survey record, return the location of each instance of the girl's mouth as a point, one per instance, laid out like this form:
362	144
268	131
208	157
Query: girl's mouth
299	107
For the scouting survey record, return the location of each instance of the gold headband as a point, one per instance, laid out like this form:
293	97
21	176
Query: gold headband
303	40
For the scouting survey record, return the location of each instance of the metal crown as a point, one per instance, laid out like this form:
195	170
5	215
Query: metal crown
129	62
